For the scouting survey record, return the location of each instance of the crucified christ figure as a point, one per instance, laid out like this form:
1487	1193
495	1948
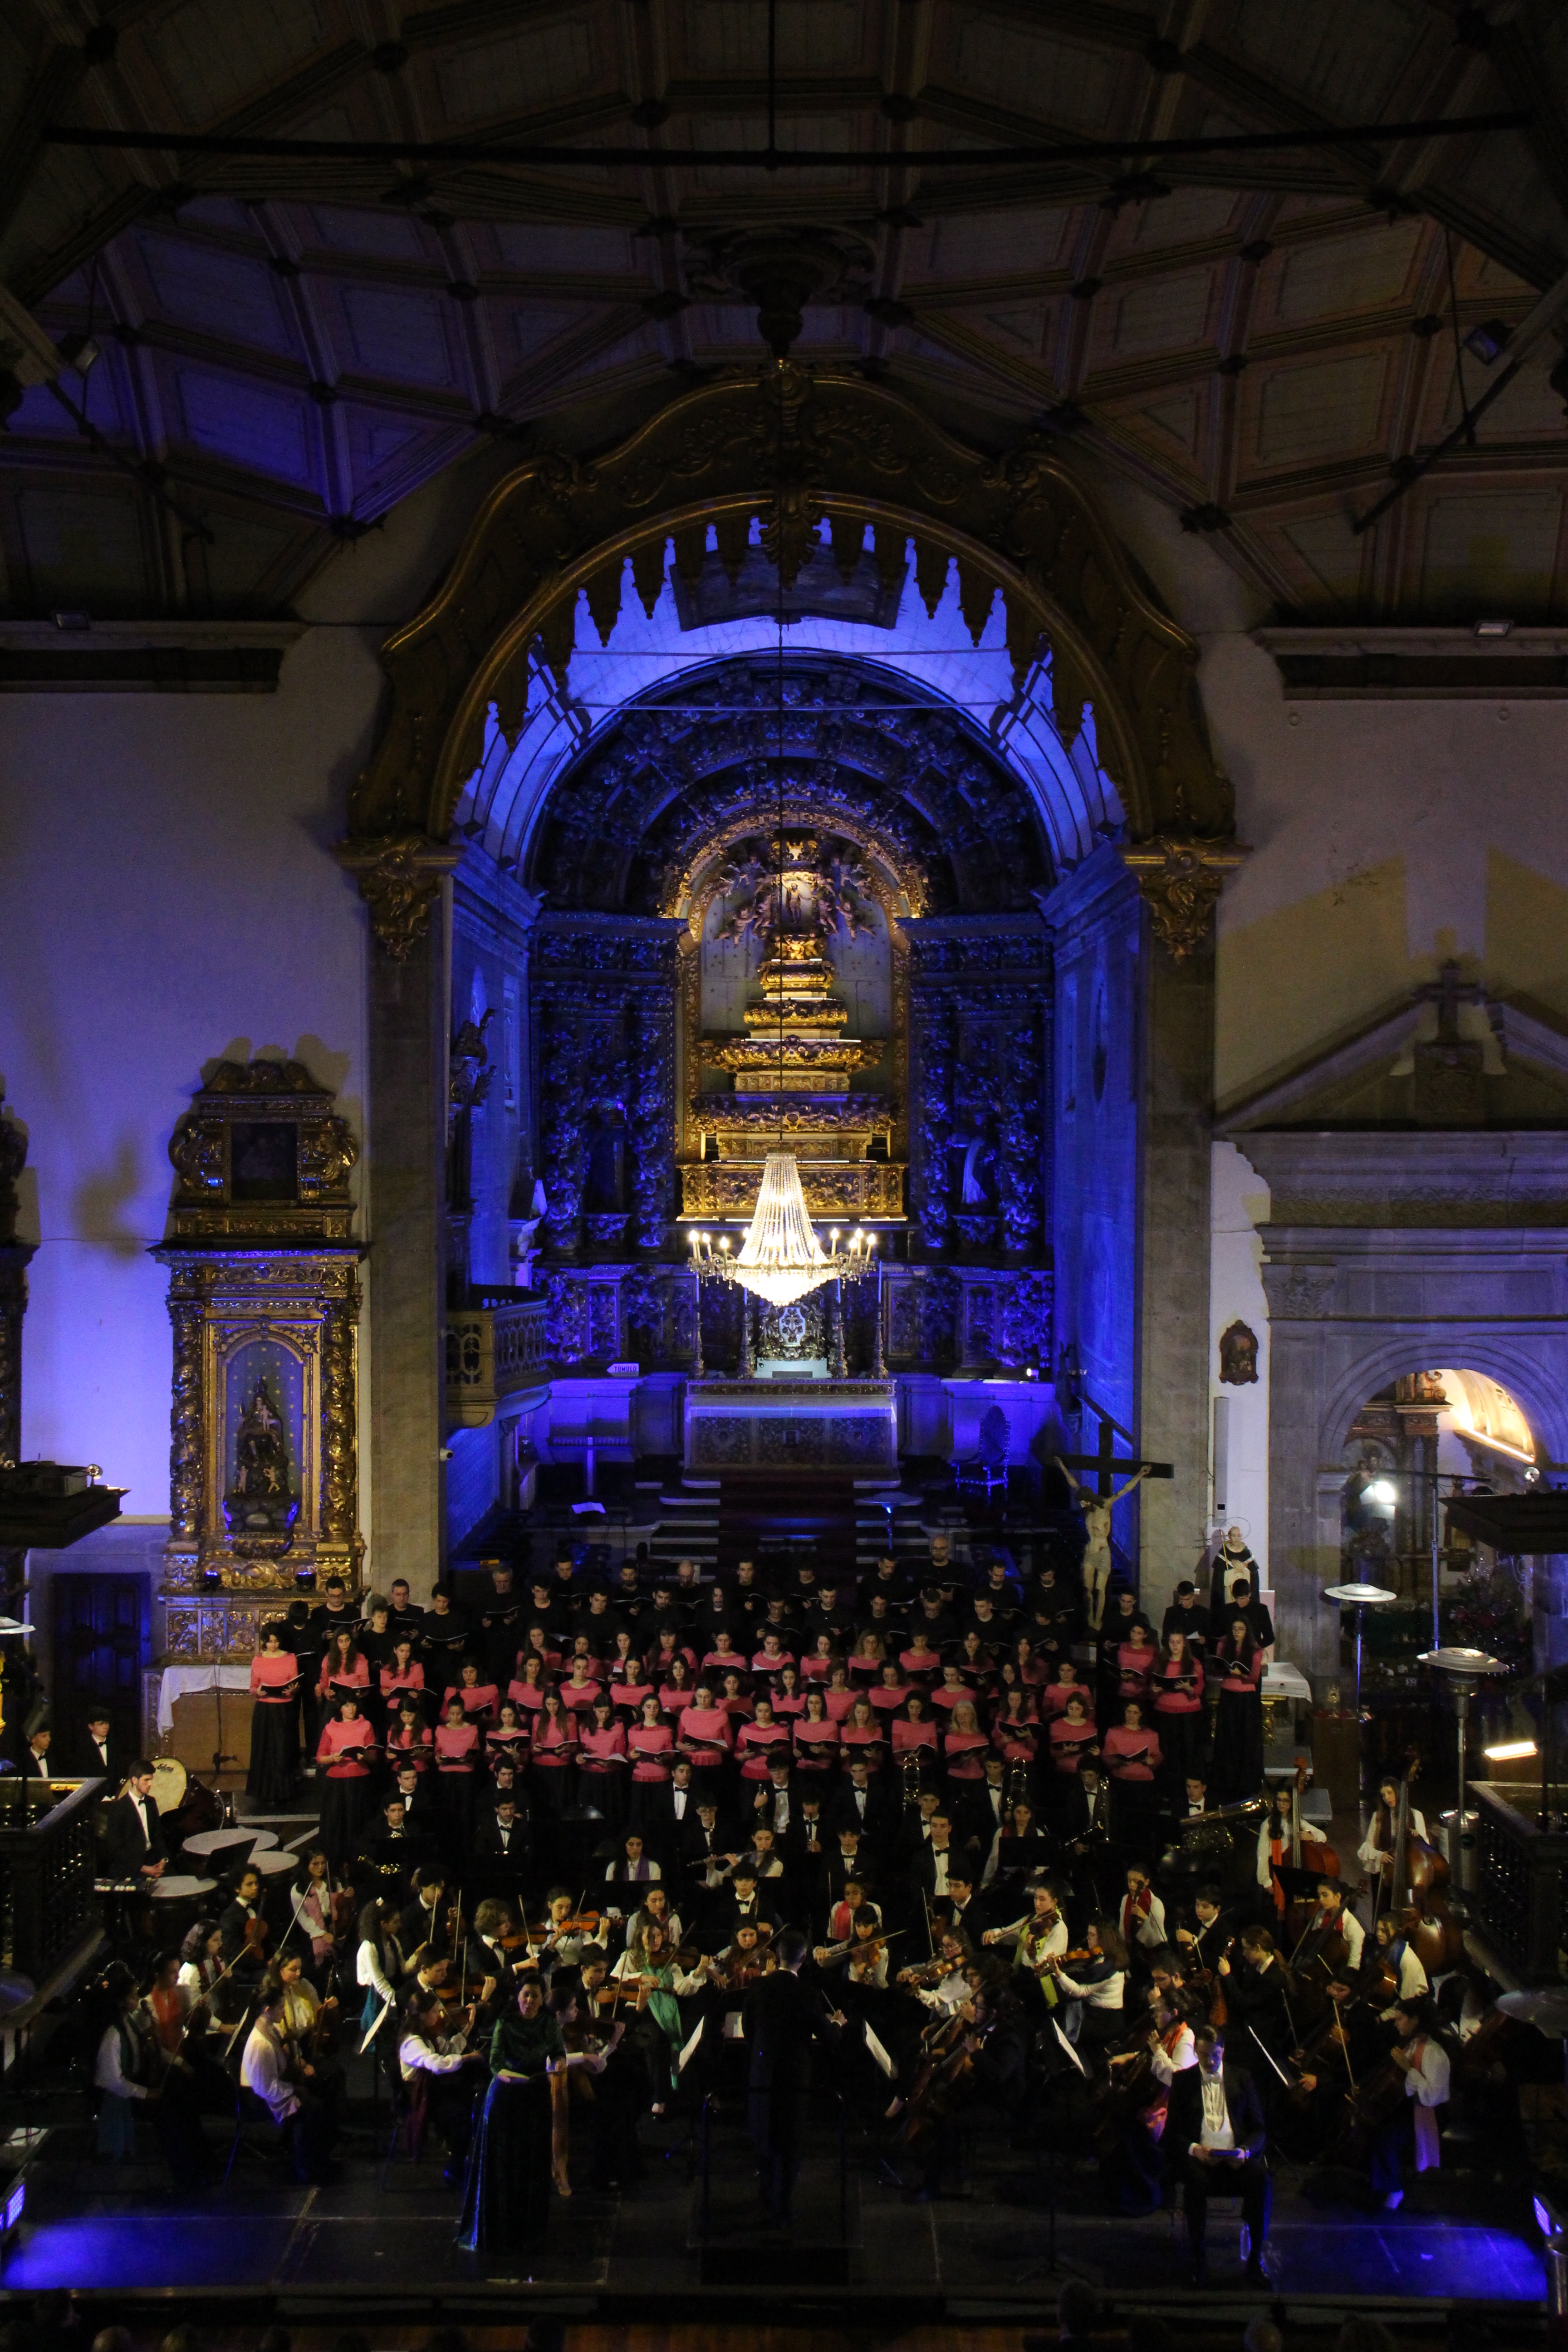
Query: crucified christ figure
1097	1510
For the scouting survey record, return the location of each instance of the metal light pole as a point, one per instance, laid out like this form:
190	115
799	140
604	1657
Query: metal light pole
1464	1671
1361	1598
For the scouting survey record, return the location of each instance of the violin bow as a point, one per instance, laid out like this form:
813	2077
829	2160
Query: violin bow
458	1937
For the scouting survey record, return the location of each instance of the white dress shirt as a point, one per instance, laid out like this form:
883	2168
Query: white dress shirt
1216	2127
262	2070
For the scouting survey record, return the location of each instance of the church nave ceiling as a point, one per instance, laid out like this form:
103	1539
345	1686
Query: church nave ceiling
290	348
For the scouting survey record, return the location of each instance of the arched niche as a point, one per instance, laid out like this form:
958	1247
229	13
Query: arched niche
809	455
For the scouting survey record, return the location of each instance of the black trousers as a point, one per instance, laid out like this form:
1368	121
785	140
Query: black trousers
1225	2178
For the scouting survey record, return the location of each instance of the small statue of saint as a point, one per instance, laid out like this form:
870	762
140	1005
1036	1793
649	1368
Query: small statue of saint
260	1452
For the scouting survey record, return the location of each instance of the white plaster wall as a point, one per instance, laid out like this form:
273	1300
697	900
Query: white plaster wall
167	897
1238	1201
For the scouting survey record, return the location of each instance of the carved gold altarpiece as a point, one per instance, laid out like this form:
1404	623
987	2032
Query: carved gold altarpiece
264	1297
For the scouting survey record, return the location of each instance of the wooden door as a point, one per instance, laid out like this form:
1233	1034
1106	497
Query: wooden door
102	1643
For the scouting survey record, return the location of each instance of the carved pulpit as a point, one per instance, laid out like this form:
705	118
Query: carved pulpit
264	1296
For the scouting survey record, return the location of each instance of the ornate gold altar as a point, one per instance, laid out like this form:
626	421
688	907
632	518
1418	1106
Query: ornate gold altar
790	1069
264	1297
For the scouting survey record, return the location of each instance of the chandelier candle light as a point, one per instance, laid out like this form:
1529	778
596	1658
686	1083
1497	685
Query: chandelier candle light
781	1258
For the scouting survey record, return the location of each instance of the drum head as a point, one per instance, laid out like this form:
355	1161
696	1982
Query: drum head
168	1784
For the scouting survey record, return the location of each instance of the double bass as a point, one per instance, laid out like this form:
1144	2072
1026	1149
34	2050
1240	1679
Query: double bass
1416	1877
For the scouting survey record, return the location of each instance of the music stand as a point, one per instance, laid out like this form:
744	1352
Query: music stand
1464	1671
1361	1598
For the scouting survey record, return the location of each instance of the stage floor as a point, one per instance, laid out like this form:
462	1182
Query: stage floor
90	2225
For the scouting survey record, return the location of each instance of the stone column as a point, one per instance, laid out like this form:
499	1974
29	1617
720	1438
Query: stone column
407	1227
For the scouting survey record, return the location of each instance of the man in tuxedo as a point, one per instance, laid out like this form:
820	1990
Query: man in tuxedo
743	1901
913	1833
966	1913
502	1837
773	1803
983	1815
422	1816
930	1867
861	1803
708	1846
667	1811
33	1763
1215	2141
95	1754
133	1841
391	1851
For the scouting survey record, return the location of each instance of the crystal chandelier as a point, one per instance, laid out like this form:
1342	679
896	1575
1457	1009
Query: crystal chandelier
781	1258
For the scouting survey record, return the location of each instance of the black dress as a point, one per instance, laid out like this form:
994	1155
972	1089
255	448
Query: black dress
506	2198
1236	1771
274	1751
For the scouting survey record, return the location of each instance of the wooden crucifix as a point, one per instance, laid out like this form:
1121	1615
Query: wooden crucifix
1096	1509
1105	1465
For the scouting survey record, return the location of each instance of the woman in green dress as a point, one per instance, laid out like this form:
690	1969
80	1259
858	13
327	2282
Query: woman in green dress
506	2201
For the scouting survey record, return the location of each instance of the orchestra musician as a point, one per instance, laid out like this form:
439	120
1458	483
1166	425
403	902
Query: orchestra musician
302	2121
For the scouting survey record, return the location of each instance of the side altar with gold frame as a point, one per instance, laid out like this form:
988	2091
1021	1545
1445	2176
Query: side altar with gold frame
264	1296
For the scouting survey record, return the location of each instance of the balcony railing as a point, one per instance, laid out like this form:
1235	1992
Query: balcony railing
47	1867
495	1346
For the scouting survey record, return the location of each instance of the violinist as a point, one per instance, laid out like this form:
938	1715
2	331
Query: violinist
1215	2138
323	1907
942	1983
1143	1919
1096	1991
300	2118
488	1959
865	1963
1039	1935
562	1942
1257	1995
1334	1938
1390	1969
655	1911
1376	1850
1203	1944
596	2098
1416	2132
305	2025
201	1958
245	1926
426	1919
438	2067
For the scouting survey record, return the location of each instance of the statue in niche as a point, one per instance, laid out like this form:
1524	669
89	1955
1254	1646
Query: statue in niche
258	1511
1238	1356
823	889
973	1189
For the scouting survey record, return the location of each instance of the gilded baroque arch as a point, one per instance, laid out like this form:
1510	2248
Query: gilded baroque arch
805	450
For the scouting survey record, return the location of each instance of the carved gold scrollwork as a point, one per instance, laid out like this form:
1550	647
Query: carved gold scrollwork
185	1422
1180	881
400	881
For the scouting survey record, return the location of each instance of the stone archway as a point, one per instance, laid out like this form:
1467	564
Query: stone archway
802	456
802	451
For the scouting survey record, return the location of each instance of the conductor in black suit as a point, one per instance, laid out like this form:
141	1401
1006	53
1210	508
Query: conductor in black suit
1215	2138
781	2019
133	1842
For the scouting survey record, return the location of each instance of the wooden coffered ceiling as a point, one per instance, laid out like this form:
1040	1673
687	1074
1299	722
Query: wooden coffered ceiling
289	347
